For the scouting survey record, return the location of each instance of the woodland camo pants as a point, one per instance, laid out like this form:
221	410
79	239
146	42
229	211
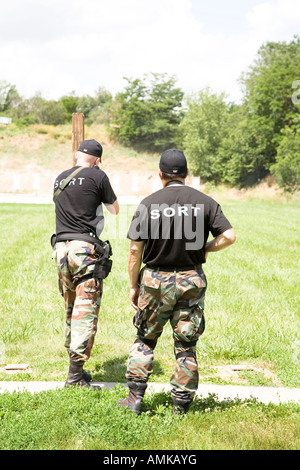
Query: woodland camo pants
82	295
177	297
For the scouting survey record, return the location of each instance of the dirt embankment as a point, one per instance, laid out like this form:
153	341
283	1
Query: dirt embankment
30	160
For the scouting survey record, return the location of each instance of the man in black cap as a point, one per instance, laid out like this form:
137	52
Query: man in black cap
80	255
169	233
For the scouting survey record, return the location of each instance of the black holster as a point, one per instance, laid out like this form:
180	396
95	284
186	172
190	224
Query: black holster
103	264
103	249
53	240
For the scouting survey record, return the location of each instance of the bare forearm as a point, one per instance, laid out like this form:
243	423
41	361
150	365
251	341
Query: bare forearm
134	264
221	241
113	208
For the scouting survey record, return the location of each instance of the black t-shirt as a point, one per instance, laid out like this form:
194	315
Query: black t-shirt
175	223
79	206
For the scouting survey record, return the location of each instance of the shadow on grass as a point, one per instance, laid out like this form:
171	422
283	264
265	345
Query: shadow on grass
113	370
157	402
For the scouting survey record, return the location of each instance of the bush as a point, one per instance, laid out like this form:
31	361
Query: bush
201	132
287	166
147	114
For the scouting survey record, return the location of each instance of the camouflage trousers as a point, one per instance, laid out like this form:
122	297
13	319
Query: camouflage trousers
177	297
82	295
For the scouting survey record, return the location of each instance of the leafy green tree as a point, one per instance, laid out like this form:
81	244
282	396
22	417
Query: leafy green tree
9	97
31	110
45	111
239	155
201	132
70	103
95	108
147	113
287	166
268	94
255	135
130	112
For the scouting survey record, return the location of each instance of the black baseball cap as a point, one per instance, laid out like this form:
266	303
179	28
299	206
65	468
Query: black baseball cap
173	161
91	147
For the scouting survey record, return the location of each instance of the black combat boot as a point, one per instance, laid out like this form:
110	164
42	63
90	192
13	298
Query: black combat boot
180	405
134	400
76	375
86	376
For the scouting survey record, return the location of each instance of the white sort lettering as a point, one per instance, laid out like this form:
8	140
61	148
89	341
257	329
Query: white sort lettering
74	182
172	211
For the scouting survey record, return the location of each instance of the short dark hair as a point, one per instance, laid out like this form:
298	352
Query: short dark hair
172	176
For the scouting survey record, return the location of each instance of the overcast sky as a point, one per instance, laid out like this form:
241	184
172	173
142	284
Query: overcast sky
58	46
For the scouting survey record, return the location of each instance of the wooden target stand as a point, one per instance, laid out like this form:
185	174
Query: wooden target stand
77	133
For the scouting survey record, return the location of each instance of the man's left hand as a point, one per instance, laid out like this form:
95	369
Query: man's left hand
133	296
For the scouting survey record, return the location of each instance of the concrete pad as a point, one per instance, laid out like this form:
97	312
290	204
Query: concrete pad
222	392
262	394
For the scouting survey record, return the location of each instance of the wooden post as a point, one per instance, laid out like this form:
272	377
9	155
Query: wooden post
77	132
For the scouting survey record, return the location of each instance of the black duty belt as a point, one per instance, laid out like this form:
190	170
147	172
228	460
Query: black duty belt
103	249
170	269
88	237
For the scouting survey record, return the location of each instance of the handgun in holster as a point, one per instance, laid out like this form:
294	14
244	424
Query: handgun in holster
103	264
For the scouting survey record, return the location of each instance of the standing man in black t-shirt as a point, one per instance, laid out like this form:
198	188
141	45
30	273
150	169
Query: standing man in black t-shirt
169	233
79	223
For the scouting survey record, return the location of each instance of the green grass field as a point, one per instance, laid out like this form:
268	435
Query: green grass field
252	317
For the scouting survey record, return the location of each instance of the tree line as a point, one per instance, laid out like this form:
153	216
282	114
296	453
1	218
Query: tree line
226	142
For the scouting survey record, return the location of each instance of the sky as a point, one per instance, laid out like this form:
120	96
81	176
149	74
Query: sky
59	46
